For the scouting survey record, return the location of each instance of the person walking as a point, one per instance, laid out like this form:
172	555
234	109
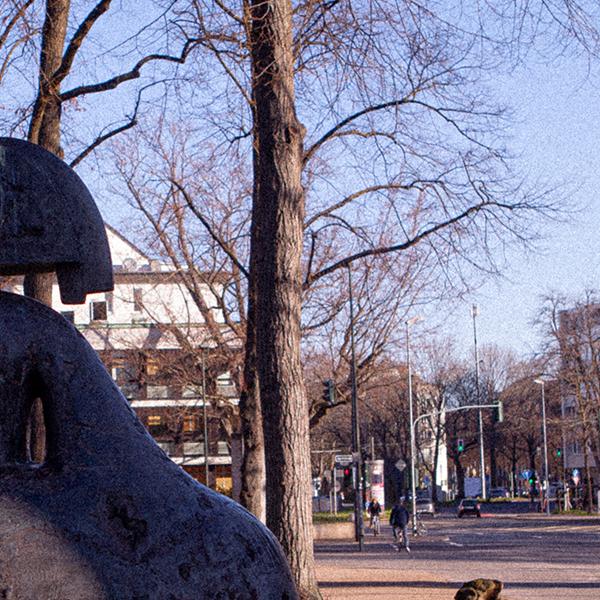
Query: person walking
399	519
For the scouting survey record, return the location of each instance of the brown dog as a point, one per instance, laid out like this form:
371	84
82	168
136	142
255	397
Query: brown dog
480	589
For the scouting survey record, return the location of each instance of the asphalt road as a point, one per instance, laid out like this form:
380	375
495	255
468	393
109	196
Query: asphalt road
535	556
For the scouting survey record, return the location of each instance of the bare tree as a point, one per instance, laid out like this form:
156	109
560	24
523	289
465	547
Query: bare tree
416	148
574	336
440	368
57	58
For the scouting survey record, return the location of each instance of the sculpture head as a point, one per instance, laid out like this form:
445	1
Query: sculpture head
49	222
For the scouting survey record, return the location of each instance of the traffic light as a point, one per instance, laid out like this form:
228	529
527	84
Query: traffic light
460	446
498	412
347	477
328	392
559	452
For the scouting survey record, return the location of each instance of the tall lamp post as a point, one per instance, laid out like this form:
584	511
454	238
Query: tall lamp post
474	313
356	454
541	382
205	417
413	483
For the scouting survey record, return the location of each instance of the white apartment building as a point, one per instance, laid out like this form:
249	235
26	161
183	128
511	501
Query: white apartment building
132	329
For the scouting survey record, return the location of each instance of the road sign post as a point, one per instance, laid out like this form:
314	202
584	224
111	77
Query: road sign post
400	465
343	460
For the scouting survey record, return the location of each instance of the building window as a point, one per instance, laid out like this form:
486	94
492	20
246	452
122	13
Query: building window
157	391
69	315
191	392
154	421
138	304
190	423
193	449
167	447
110	300
224	380
225	385
151	366
131	391
98	311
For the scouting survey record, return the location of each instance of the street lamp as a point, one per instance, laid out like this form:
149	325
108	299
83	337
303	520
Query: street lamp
356	454
205	417
413	486
541	382
474	313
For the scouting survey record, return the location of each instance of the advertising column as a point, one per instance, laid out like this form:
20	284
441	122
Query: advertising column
375	476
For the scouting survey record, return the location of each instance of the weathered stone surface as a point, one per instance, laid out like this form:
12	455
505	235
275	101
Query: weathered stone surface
49	222
480	589
108	515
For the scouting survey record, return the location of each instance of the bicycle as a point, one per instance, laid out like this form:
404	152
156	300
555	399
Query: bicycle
376	525
421	528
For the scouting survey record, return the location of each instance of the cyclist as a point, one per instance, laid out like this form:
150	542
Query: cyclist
374	510
399	518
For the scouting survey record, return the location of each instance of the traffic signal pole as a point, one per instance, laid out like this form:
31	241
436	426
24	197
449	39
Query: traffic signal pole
497	406
413	483
546	476
474	313
413	445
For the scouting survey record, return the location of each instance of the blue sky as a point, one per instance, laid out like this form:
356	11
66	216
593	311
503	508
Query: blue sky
557	134
556	131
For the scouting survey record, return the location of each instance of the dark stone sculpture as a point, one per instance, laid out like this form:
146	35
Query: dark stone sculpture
50	222
108	515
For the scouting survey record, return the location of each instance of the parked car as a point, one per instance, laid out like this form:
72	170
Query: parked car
555	490
425	506
499	492
423	494
468	506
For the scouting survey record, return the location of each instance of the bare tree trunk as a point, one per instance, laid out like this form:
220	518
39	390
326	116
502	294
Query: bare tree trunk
493	439
45	130
436	458
513	466
434	476
460	476
276	286
252	494
588	479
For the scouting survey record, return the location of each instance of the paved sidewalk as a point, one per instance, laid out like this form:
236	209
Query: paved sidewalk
344	573
342	582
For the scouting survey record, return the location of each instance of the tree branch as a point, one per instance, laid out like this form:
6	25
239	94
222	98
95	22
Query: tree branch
13	21
358	194
134	73
334	130
229	12
100	140
440	111
104	137
210	230
77	40
404	245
